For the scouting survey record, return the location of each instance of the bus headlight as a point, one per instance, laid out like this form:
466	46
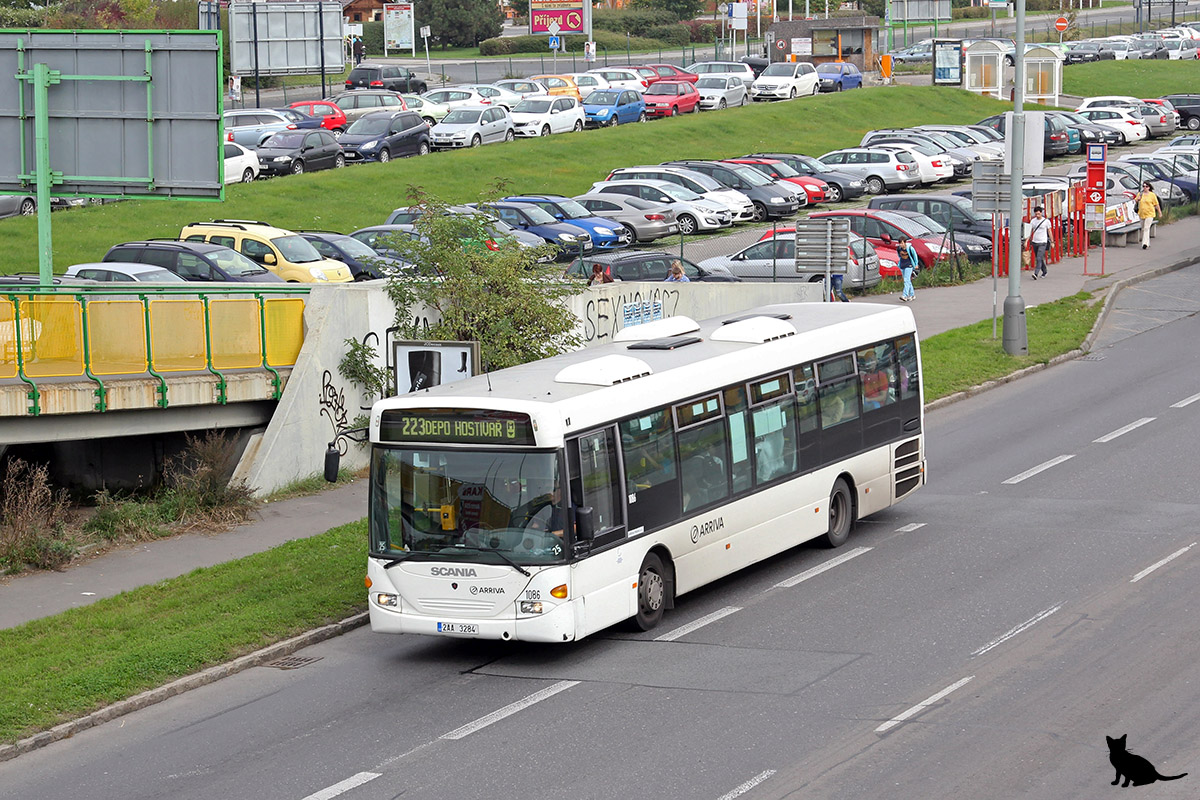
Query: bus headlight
531	607
388	600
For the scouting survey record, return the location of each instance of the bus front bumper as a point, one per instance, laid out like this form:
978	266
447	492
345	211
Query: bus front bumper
556	625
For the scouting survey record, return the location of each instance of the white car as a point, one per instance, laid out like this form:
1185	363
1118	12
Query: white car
693	212
1131	128
786	81
543	114
622	78
497	95
737	203
521	86
456	96
123	272
471	126
1122	50
1105	101
932	165
589	82
737	69
241	163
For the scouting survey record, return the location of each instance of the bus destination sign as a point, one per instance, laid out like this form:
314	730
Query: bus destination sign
456	426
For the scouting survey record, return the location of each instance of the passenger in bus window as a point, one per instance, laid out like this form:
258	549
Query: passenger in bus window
875	381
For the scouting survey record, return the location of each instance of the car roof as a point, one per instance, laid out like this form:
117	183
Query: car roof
199	247
246	225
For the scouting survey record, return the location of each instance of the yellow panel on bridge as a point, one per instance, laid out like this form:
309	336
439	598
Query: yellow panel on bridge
117	337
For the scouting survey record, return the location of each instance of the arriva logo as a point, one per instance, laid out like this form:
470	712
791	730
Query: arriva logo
705	528
453	572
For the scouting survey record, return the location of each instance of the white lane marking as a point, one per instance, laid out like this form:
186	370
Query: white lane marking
1024	626
896	720
1158	564
700	623
1029	473
508	710
748	785
909	528
817	570
339	788
1187	401
1108	437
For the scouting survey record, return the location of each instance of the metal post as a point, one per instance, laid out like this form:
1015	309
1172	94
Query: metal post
43	77
257	81
321	45
1016	338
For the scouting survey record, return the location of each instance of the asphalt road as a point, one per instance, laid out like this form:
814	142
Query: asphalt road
978	640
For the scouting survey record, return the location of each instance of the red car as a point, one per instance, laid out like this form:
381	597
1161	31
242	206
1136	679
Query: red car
814	188
668	98
670	72
332	117
881	228
648	74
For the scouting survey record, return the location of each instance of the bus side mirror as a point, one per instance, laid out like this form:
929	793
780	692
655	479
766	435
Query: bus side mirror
332	462
585	524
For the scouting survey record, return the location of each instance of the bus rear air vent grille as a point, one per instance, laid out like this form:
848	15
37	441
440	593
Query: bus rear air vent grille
604	371
754	330
665	343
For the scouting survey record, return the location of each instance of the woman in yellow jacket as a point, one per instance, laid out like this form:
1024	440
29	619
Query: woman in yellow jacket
1147	208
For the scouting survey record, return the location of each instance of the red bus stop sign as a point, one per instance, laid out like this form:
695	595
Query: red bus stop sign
1061	24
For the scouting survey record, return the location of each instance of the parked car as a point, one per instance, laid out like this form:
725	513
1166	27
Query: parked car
21	205
360	103
815	190
645	265
932	165
384	135
883	228
645	221
589	82
1152	48
1089	131
735	202
670	72
949	210
542	115
606	234
772	199
1122	50
1188	106
608	107
456	97
385	76
431	112
471	126
296	152
693	212
842	185
1055	140
1181	49
721	91
302	121
837	76
785	81
964	154
496	95
1159	121
560	85
331	116
364	263
1089	52
880	170
241	165
921	52
1131	128
193	261
122	272
1164	168
621	78
774	259
1166	190
736	69
381	239
976	248
283	252
1106	101
521	86
570	239
250	127
668	98
493	231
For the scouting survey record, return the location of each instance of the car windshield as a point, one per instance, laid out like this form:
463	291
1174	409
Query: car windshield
602	98
486	506
750	175
234	263
664	89
159	275
463	116
354	247
285	141
927	222
532	106
573	210
680	193
779	69
369	126
926	150
711	83
296	249
830	68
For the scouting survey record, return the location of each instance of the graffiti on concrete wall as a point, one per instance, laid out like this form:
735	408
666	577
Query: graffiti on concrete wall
604	316
333	407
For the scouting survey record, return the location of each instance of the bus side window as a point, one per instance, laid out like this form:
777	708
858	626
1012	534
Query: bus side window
597	471
773	420
652	480
740	467
877	375
806	399
702	458
909	379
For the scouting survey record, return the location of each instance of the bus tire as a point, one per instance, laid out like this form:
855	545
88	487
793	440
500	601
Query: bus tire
652	592
841	514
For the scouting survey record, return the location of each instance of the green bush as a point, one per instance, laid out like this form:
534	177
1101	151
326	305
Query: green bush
634	22
970	12
676	35
373	38
605	41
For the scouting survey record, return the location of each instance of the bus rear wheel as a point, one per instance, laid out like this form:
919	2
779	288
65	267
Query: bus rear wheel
652	592
841	514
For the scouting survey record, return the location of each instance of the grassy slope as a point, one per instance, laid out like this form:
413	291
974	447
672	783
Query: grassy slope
1136	78
352	198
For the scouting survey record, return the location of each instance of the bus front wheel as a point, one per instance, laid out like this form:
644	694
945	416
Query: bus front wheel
841	514
652	592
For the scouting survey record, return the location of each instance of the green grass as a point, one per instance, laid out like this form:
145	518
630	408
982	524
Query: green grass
1136	78
363	195
62	667
310	485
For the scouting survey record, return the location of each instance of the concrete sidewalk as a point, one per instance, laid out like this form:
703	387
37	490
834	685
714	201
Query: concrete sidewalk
37	595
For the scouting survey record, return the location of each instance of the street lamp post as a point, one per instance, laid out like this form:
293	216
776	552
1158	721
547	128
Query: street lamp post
1016	339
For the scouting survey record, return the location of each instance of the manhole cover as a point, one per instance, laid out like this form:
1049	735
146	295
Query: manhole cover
294	662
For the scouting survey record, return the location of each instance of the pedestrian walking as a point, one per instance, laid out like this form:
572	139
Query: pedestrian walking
1148	208
1039	240
907	254
359	50
835	283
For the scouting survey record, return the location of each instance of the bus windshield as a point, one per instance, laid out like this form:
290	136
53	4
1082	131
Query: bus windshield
459	504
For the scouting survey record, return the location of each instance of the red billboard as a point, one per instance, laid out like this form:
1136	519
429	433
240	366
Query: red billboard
568	14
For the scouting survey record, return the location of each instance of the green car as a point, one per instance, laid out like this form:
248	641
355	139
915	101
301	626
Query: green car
431	112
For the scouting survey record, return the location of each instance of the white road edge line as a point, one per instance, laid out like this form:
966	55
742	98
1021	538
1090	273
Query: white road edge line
1029	473
1024	626
339	788
909	528
1158	564
896	720
748	785
684	630
1187	401
508	710
1108	437
817	570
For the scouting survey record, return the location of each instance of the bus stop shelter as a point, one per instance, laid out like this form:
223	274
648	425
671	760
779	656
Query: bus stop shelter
985	68
1043	75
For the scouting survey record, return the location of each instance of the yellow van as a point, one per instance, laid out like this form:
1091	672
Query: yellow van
285	253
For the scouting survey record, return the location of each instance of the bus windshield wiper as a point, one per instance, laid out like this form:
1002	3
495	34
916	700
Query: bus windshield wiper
394	560
506	559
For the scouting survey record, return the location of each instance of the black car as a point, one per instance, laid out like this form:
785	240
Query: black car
1088	52
643	265
194	261
297	152
1188	106
385	76
364	262
1055	141
1151	48
842	185
384	135
771	201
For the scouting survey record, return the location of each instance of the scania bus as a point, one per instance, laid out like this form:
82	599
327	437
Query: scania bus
551	500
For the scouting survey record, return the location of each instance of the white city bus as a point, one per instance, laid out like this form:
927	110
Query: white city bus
551	500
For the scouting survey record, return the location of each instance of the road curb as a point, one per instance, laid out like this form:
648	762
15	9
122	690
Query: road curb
195	681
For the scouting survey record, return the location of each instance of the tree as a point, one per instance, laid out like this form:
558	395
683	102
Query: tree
460	23
680	9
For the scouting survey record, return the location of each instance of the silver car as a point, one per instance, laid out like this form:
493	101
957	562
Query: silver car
471	126
455	96
721	91
1158	121
693	212
521	86
775	260
647	221
361	102
498	95
880	169
737	203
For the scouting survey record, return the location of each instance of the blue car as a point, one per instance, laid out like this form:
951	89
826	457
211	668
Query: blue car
606	234
571	240
608	107
838	76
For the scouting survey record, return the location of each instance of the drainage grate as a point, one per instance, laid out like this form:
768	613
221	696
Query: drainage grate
1092	357
294	662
